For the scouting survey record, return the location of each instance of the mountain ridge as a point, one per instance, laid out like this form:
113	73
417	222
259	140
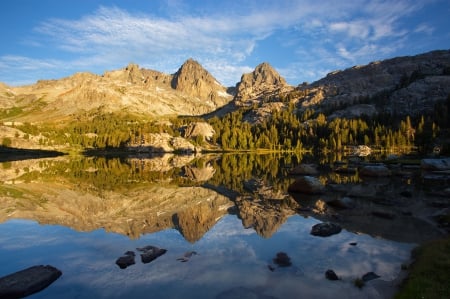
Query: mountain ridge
405	85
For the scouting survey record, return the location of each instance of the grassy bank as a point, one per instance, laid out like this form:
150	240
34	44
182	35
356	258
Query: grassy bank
429	275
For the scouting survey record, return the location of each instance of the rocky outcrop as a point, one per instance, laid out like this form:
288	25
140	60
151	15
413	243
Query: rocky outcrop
407	85
262	82
195	129
162	143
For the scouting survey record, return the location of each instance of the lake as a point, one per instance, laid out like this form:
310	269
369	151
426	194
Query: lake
80	214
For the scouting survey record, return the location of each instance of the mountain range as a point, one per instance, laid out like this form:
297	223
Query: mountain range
140	108
402	85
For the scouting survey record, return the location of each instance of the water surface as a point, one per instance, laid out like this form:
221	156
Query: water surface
81	215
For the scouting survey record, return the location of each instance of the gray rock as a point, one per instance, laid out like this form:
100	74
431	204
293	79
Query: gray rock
126	260
308	185
342	203
325	229
374	171
28	281
435	164
150	253
305	169
370	276
383	214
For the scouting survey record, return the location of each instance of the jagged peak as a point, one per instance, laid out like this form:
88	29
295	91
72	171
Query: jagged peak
263	79
189	66
196	81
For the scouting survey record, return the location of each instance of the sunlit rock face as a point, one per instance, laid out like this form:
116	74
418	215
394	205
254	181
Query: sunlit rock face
193	80
190	91
263	81
407	85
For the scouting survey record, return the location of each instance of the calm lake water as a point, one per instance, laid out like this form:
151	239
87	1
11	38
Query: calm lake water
81	214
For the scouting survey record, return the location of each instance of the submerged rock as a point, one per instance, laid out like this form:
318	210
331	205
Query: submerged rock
243	292
150	253
383	214
186	256
28	281
370	276
126	260
325	229
435	164
342	203
308	185
331	275
305	169
282	260
374	171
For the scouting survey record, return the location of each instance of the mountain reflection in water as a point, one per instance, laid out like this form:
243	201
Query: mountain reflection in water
234	210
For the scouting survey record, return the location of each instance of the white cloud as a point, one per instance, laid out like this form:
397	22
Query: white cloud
224	39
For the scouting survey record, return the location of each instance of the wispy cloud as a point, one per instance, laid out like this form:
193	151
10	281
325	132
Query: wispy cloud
224	39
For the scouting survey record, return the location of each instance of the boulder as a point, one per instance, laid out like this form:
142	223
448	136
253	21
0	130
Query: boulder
126	260
28	281
150	253
325	229
308	185
435	164
342	203
305	169
374	171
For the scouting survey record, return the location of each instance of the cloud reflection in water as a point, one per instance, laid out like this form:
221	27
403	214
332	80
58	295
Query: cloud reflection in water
230	257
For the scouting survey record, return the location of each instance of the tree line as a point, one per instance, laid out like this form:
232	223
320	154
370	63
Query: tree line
288	129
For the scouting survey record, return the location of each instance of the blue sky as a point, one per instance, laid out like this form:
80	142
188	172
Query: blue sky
303	40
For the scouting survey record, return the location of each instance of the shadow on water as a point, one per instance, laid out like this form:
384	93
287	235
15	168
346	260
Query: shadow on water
17	154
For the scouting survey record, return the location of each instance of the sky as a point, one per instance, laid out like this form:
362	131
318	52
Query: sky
303	40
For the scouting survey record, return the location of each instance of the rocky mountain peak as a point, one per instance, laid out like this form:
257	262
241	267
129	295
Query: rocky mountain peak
263	81
193	80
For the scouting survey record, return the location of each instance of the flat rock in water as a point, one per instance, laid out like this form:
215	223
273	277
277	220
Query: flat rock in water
150	253
370	276
325	229
28	281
